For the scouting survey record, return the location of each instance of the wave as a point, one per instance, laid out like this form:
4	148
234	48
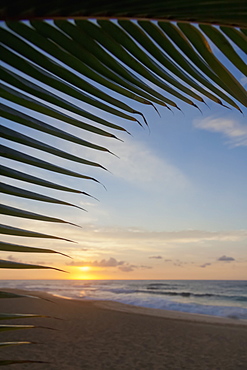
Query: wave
172	293
226	299
158	285
183	294
202	309
200	295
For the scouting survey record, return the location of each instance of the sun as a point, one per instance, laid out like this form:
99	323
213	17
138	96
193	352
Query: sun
85	268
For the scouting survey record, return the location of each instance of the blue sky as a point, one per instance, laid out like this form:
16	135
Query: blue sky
175	204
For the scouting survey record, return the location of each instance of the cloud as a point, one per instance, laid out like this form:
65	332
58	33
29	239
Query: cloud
141	166
156	257
235	132
221	259
99	238
243	80
226	259
13	259
111	262
127	268
122	235
205	265
178	263
29	262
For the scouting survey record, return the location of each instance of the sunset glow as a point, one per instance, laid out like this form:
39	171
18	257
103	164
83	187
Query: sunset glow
85	268
175	205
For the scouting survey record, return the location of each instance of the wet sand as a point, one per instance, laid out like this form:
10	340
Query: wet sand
102	335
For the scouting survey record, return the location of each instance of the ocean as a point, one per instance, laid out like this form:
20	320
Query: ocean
224	298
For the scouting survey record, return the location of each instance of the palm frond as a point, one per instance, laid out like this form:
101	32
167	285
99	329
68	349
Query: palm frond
227	12
14	295
52	66
16	265
12	316
43	60
10	247
56	62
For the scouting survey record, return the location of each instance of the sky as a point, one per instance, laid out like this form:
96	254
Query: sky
173	204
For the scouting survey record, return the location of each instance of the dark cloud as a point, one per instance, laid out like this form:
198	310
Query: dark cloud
111	262
41	263
178	264
205	265
77	263
127	268
156	257
17	260
226	259
13	259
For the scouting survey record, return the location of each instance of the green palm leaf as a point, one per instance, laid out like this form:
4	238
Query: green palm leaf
171	51
27	102
16	265
121	38
232	13
184	44
15	327
9	172
18	192
20	327
52	68
9	230
88	40
238	37
14	295
37	91
199	42
6	344
25	158
12	316
32	54
12	135
143	39
224	46
15	212
73	59
69	57
12	362
13	115
10	247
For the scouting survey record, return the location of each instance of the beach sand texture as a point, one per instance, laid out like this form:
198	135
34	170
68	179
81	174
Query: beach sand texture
98	335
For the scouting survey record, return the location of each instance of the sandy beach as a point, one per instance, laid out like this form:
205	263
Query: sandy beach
102	335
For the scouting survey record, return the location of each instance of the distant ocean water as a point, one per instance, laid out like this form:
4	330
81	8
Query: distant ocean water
226	298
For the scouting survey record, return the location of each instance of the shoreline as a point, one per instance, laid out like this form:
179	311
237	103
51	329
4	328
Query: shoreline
124	307
107	335
169	314
214	299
